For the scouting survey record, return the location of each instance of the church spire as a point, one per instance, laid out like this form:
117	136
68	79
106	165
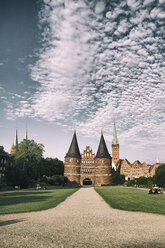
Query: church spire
26	135
14	146
15	139
115	139
74	149
102	151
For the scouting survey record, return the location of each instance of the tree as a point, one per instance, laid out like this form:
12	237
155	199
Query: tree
160	176
116	178
52	166
25	166
29	150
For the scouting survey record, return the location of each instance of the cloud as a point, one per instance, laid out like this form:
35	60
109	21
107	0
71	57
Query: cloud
99	62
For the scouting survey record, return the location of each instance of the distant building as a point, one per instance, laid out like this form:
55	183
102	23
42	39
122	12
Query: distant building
14	146
86	168
4	160
134	170
153	167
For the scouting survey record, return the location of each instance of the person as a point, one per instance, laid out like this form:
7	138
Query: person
156	190
150	191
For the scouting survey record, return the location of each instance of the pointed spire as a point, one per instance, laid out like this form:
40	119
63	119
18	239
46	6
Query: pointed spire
15	139
102	151
74	149
115	140
26	135
14	146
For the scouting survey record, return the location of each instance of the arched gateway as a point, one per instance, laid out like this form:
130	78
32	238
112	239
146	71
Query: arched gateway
87	181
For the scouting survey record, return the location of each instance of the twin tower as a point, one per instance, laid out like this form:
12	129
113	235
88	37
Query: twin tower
88	169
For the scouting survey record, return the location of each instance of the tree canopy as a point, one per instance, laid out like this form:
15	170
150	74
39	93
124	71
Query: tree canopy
160	176
29	150
29	166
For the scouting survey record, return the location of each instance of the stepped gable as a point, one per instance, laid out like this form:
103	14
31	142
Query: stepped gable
102	151
74	151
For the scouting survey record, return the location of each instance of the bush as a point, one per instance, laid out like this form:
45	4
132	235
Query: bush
142	182
55	180
131	183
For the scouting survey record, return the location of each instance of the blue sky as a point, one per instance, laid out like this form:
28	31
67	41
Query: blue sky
80	64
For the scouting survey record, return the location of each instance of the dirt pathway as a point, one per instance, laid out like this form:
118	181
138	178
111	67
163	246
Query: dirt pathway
82	220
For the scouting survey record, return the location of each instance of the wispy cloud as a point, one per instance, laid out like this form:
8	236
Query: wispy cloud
101	60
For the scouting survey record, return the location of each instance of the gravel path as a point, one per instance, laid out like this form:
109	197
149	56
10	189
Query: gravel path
82	220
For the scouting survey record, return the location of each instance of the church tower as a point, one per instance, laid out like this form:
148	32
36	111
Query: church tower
72	162
115	146
26	135
103	163
14	146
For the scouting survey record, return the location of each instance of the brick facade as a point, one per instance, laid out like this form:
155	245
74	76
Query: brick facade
98	170
135	170
115	153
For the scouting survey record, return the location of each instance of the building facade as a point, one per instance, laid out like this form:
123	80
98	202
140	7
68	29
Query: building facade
153	168
134	170
4	160
86	168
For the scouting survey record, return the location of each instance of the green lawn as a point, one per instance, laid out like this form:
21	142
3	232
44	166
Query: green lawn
32	200
132	199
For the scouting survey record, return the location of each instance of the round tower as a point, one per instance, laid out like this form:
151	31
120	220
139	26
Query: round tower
103	164
72	162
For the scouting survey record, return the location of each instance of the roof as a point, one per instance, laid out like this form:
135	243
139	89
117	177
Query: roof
74	149
102	151
26	134
15	138
155	166
115	140
151	167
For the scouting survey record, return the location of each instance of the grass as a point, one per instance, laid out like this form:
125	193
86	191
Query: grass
32	200
132	199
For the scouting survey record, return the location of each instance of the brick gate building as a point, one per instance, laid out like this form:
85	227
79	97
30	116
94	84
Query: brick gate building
86	168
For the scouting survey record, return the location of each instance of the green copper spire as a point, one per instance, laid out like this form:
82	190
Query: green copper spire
74	149
115	140
16	139
102	151
26	135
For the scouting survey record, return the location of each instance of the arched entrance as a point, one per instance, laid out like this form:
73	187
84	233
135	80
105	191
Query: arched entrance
87	181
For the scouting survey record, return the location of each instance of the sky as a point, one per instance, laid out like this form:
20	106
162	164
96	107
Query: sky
81	64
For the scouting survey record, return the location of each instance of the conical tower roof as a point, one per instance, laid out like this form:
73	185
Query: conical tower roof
74	149
115	139
102	151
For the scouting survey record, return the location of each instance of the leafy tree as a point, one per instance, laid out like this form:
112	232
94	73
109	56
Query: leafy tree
30	150
52	166
116	178
160	176
29	166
